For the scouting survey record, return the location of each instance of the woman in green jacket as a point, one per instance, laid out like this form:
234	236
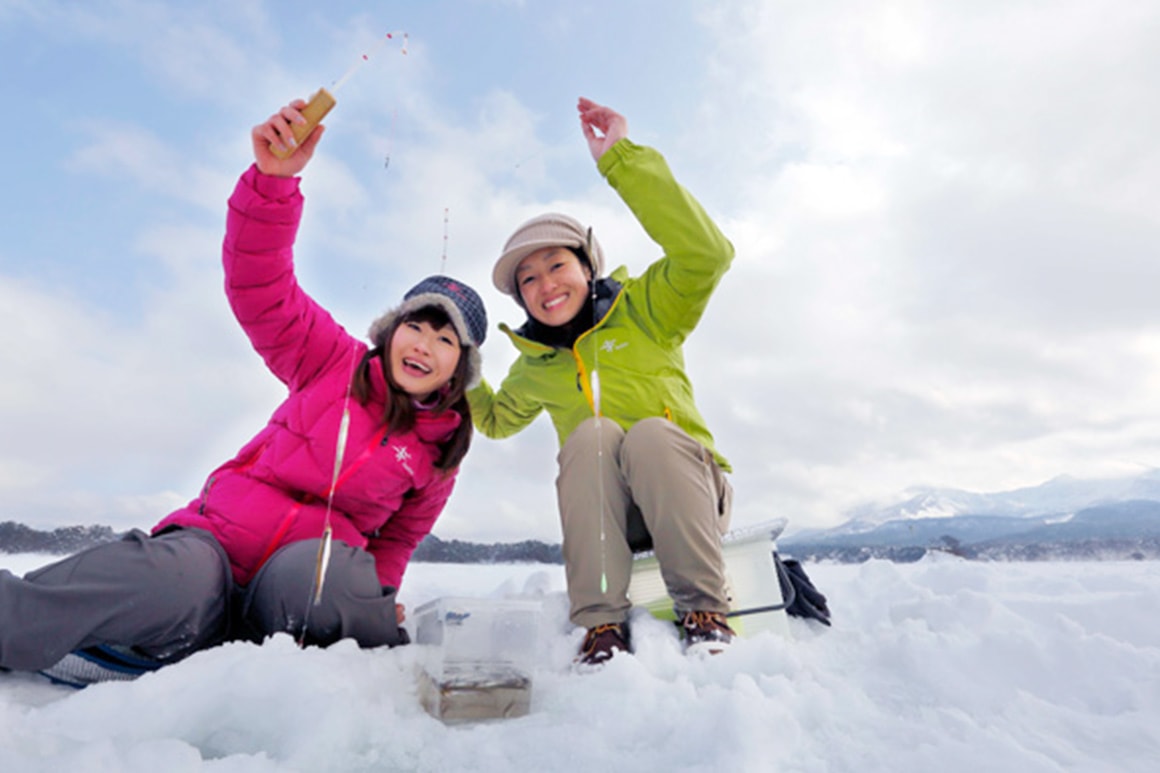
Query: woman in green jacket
602	355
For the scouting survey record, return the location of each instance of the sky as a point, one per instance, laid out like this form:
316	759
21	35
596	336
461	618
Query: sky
941	665
946	219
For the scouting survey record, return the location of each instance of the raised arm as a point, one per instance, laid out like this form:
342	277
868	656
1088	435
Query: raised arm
295	336
695	252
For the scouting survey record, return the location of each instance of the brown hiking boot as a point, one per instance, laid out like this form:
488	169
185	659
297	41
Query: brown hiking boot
601	643
706	633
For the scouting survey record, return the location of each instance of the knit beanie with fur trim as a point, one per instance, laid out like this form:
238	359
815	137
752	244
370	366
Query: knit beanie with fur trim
462	305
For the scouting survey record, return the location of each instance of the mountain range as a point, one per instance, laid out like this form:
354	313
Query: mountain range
1065	517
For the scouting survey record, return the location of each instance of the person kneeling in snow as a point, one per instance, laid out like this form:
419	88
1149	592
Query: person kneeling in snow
240	561
637	467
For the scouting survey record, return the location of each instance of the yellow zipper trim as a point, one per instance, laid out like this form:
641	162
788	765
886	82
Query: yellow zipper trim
585	379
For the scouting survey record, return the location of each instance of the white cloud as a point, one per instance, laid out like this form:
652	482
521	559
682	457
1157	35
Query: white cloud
943	251
945	218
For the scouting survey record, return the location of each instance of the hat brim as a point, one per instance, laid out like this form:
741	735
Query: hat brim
504	274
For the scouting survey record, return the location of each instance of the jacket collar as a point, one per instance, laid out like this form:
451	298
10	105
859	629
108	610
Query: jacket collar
530	337
436	427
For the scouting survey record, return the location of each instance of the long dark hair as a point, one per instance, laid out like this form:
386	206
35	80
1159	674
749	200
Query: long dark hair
399	407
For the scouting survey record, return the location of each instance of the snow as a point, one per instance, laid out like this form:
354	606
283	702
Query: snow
940	665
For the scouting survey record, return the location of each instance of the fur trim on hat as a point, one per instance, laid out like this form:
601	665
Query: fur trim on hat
380	327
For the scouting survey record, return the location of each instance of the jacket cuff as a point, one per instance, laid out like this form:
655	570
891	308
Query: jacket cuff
620	151
269	186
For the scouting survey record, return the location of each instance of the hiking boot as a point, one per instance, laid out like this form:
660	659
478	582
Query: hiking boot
706	633
601	643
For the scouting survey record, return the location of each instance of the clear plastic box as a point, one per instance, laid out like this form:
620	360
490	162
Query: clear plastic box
479	656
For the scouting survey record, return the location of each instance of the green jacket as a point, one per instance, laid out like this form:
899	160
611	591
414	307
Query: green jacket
636	347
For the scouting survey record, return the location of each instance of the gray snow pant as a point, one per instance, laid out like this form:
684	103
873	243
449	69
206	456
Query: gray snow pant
661	490
353	604
173	594
166	595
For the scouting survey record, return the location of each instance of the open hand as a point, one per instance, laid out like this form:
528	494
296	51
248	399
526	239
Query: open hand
603	127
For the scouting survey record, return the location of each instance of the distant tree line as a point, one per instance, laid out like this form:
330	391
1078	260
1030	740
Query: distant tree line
18	538
436	551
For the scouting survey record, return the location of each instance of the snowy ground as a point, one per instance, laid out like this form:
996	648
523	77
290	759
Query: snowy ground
937	666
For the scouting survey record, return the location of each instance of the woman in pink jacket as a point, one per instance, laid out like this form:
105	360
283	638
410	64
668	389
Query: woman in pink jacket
366	446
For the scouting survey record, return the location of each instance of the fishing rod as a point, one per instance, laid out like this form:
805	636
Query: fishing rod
322	101
316	108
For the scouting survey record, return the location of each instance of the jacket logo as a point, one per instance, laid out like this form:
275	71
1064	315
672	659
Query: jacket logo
612	345
402	456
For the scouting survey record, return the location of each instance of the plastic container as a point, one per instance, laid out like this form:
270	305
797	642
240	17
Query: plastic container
479	657
755	598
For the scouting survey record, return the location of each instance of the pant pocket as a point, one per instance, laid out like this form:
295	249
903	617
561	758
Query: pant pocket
724	493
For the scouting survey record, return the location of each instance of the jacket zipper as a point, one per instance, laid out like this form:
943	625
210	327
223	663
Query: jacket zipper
585	378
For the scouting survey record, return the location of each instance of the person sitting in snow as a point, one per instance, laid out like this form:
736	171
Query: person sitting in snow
603	356
240	560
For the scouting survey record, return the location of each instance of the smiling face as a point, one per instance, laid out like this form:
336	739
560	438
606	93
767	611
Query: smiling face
423	356
553	284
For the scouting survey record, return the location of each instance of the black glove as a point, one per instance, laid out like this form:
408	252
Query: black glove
807	601
401	636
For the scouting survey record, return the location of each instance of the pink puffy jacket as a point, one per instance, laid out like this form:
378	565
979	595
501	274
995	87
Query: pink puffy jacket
274	491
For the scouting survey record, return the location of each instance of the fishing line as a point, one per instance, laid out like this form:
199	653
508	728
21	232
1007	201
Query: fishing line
596	410
390	140
443	265
322	101
365	57
314	111
325	544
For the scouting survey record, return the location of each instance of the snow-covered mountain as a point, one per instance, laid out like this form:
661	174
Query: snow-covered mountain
1058	497
1064	516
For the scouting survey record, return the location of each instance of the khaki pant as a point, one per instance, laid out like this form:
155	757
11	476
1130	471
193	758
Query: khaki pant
660	488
